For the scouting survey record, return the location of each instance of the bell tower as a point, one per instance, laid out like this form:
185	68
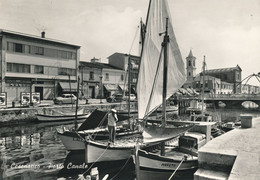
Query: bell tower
190	67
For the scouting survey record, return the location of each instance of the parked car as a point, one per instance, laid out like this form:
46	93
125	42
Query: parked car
65	99
132	97
115	98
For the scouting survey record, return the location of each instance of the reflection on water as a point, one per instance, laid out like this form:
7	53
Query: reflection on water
29	151
33	151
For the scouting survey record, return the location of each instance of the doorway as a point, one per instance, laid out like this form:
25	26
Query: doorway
39	90
92	91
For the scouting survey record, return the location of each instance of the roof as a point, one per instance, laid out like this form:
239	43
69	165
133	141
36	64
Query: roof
199	77
36	37
97	65
237	68
123	54
190	54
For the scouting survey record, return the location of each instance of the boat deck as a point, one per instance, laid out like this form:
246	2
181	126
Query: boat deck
174	153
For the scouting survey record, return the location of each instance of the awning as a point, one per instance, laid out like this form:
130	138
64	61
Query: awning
123	87
66	87
110	87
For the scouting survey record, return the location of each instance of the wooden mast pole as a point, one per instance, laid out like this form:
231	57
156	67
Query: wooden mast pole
203	87
77	106
165	76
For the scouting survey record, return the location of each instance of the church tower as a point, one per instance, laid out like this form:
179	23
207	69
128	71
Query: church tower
190	67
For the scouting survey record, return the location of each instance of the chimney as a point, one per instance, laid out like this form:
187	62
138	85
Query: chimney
43	34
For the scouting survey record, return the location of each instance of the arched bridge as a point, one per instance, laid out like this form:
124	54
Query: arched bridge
233	100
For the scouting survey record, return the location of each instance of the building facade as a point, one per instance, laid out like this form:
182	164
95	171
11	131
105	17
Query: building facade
213	85
121	61
35	64
230	75
250	89
100	79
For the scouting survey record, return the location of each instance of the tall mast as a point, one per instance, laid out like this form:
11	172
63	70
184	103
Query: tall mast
203	85
165	71
129	86
77	106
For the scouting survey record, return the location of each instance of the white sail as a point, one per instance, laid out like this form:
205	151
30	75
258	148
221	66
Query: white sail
150	80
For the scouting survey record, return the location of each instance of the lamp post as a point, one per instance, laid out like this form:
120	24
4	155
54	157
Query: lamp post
101	89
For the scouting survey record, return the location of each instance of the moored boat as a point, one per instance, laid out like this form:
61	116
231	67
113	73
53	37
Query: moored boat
50	118
50	115
94	127
99	151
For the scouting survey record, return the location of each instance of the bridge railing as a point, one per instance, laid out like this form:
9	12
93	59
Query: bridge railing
232	96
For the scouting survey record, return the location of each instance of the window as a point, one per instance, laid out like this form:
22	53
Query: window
189	73
107	76
67	71
189	63
122	77
18	48
18	68
91	75
194	63
36	50
38	69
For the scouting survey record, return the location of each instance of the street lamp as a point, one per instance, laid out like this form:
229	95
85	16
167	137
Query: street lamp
101	89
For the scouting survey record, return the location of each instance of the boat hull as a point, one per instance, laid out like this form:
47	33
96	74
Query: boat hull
73	141
149	161
51	118
96	152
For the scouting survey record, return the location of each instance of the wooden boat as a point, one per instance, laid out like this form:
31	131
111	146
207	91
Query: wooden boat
51	118
196	107
55	115
94	127
152	85
100	151
158	60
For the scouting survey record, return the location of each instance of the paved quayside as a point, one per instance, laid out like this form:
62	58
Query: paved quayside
234	155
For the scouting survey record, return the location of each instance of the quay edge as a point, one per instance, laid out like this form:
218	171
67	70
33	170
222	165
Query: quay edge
234	155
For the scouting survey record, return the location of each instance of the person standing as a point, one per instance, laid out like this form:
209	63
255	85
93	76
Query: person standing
112	119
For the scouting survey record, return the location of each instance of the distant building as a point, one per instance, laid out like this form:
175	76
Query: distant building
36	64
230	75
190	69
100	79
121	60
217	81
213	85
250	89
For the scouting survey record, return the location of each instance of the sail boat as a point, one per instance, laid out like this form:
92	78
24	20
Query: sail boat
162	66
148	95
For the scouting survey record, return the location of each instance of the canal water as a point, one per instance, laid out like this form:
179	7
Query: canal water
33	151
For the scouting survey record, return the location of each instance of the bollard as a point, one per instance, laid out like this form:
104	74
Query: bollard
13	104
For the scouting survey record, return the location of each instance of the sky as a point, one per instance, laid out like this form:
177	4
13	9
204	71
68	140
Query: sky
227	32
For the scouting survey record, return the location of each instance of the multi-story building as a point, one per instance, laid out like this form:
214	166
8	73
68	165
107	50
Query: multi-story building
101	79
121	61
36	64
230	75
213	85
